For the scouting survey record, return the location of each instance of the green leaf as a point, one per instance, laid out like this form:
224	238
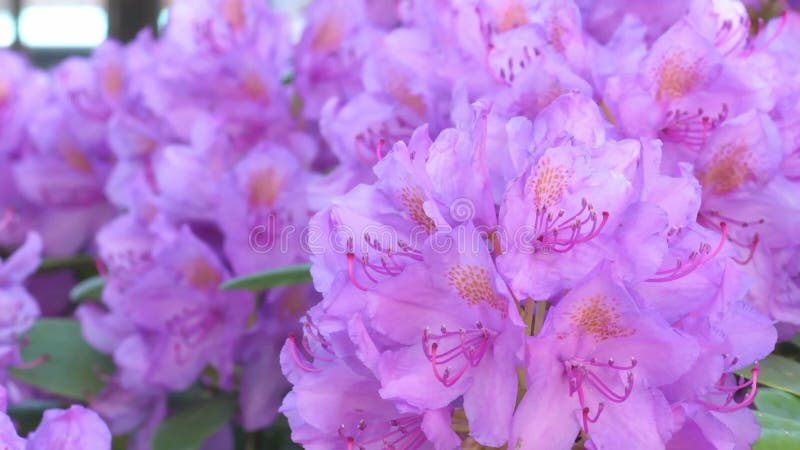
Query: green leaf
778	403
779	416
72	368
187	430
120	442
777	432
778	372
278	435
271	278
88	289
51	264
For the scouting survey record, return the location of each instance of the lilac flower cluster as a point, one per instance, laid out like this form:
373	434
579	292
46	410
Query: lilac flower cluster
592	216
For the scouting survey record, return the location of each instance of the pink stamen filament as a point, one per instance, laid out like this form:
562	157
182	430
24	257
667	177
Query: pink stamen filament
311	329
749	246
405	434
587	419
770	40
691	129
370	142
697	259
350	261
578	373
388	266
508	77
595	381
547	227
34	363
310	351
751	253
731	390
471	346
102	270
736	39
298	359
379	150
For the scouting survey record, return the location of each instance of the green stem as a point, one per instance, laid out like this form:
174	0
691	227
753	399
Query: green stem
541	310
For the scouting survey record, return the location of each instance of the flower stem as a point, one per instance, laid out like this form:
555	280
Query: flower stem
541	310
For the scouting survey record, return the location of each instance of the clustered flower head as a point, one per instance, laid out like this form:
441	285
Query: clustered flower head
580	221
532	224
177	162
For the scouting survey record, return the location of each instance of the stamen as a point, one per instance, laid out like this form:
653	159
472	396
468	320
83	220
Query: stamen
298	359
691	129
696	259
102	270
369	143
752	51
350	260
379	149
578	371
730	405
311	329
404	433
728	39
752	251
508	74
548	226
750	246
34	363
470	346
587	419
389	264
737	222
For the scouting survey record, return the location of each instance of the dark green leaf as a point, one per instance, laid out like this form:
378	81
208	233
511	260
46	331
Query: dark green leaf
277	436
778	372
188	429
88	289
271	278
50	264
777	433
72	368
778	403
120	442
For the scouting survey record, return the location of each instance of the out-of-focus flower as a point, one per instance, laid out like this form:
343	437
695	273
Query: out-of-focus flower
76	427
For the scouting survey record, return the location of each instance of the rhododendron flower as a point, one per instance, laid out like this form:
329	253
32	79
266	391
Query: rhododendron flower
76	427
